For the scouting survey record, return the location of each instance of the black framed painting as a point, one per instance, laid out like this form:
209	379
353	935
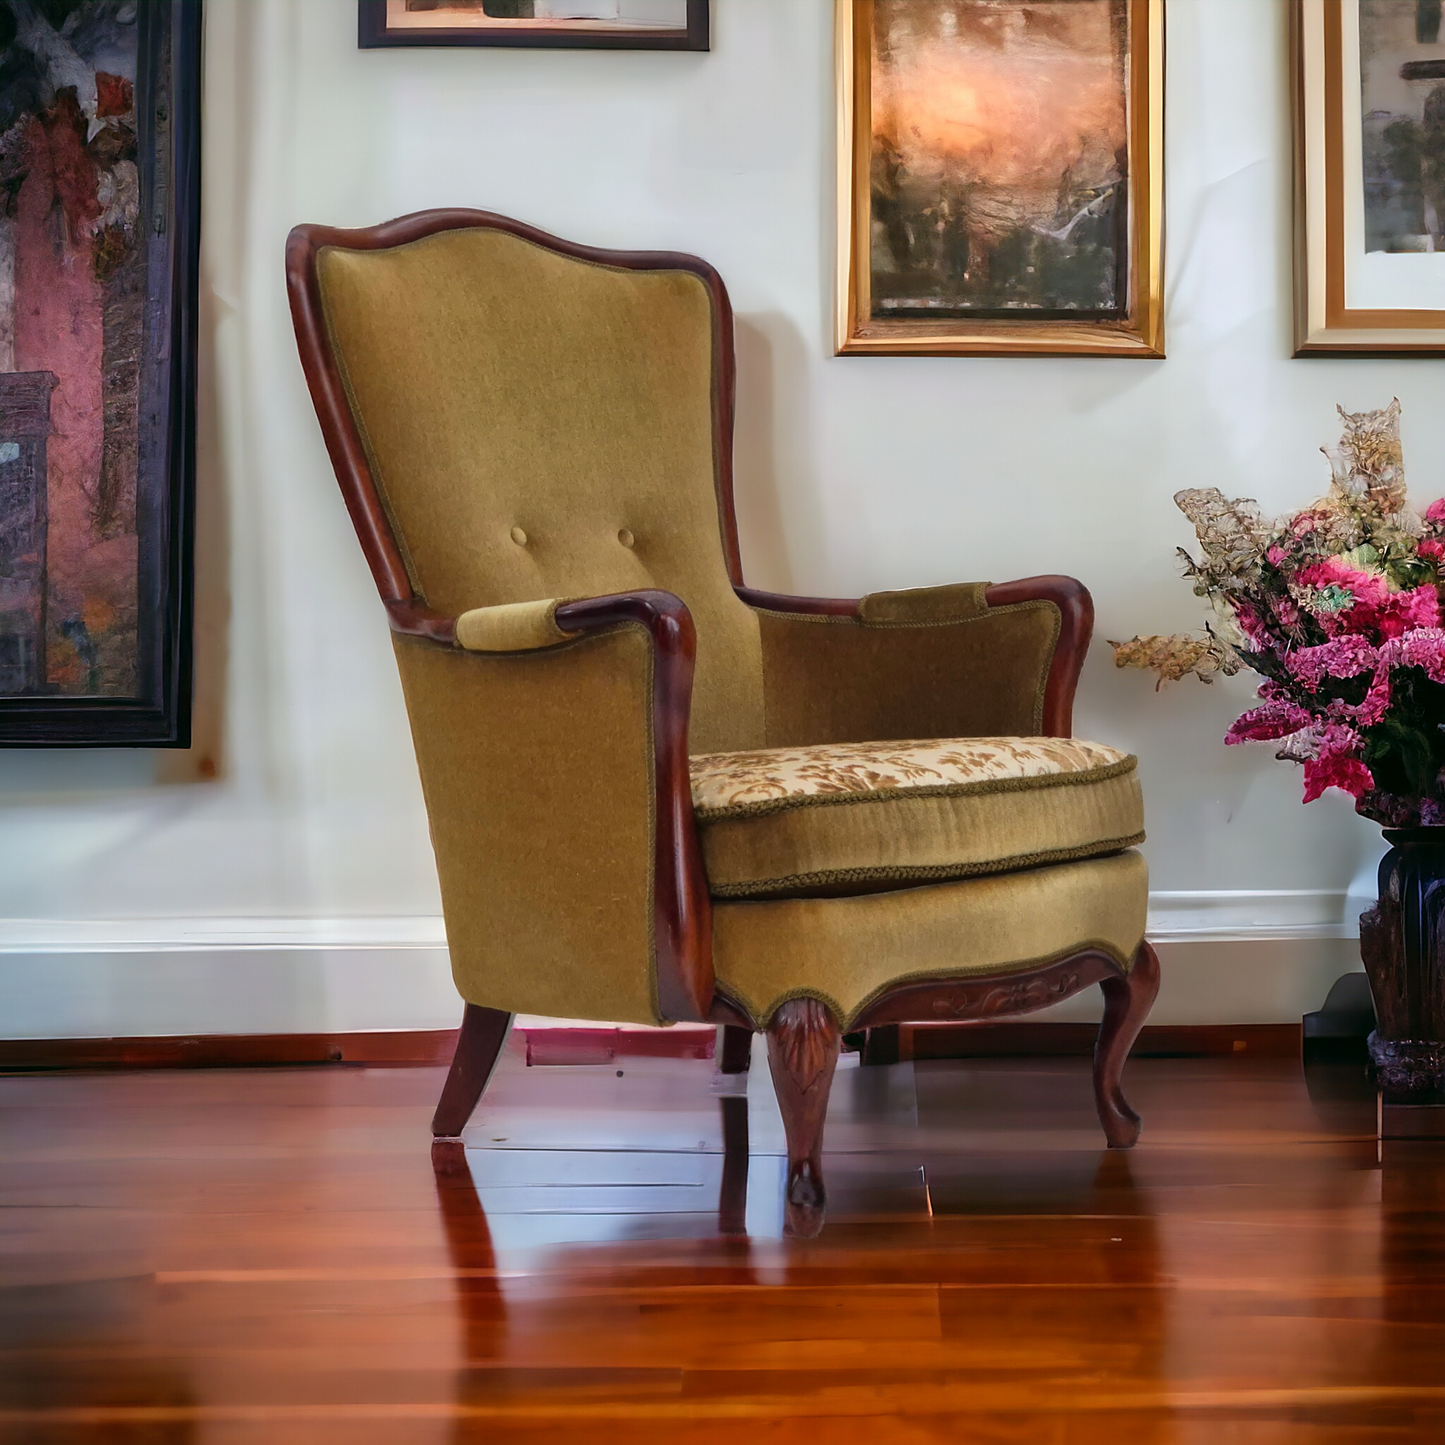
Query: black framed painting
557	24
100	184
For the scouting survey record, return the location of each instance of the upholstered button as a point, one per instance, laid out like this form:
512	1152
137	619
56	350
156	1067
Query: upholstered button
626	537
519	536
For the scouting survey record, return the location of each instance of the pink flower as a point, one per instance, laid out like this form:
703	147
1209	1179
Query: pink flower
1435	512
1403	612
1249	622
1262	724
1430	549
1377	700
1423	648
1336	770
1345	656
1336	572
1277	555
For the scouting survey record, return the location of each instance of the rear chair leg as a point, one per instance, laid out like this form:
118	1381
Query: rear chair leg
803	1042
737	1049
1127	1002
479	1046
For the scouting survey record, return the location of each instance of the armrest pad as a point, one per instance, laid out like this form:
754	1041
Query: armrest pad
924	606
511	627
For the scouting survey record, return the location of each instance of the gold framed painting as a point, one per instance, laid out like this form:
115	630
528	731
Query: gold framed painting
1369	177
1000	177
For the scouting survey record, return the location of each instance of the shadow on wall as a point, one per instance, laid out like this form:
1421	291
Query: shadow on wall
772	458
204	760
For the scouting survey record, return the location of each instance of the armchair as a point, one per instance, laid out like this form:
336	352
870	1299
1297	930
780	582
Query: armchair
656	794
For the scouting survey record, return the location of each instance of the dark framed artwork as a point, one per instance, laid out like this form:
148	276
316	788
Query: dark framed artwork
99	231
1000	177
1369	93
560	24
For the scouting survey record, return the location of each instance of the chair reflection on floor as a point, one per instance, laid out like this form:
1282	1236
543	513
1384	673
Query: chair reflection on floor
469	1236
483	1306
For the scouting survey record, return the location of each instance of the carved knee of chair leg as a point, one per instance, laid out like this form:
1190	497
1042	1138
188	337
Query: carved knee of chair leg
1127	1002
803	1042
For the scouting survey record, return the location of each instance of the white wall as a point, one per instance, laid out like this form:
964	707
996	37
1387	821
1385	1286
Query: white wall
296	889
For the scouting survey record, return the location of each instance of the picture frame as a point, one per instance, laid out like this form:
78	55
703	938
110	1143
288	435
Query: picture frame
384	24
98	377
1369	248
1047	287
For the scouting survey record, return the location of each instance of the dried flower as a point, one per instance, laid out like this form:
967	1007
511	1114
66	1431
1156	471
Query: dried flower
1370	447
1176	657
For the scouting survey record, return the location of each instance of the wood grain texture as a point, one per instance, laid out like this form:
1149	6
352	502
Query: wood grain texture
266	1256
209	1051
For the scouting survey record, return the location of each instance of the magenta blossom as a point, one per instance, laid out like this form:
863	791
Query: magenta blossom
1403	612
1435	512
1250	624
1264	724
1423	648
1336	572
1345	656
1336	770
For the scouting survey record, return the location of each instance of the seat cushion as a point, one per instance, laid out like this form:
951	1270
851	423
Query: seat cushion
859	817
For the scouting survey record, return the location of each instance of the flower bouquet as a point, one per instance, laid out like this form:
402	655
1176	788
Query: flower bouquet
1337	608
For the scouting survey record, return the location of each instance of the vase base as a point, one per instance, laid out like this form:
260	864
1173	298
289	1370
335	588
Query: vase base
1409	1071
1411	1121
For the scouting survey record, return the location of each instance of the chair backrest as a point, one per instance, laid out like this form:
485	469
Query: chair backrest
537	420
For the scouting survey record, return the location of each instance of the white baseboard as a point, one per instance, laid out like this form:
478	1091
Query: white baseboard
1227	958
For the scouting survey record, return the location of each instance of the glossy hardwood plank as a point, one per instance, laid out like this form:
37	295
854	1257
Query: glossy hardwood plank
267	1255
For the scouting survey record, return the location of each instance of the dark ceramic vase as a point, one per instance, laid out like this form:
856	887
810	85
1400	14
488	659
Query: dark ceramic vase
1402	942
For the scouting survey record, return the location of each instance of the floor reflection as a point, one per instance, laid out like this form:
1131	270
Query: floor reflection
971	1211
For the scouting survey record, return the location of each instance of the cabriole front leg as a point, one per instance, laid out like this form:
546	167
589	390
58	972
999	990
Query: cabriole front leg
1127	1002
803	1042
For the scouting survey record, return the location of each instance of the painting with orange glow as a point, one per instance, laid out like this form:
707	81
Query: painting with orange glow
999	159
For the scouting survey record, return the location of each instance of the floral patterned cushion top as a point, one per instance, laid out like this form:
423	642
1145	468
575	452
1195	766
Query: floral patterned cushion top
762	781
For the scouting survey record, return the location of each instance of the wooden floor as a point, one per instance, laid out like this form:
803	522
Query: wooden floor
266	1255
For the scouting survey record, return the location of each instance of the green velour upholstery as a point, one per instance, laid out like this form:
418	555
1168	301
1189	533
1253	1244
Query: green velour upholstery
542	426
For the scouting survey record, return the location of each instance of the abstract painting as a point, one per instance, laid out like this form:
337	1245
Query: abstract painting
97	238
571	24
997	178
